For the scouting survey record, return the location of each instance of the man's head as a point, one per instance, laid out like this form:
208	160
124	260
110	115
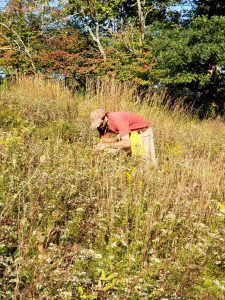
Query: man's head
97	118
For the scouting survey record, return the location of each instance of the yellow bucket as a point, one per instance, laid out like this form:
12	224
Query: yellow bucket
137	148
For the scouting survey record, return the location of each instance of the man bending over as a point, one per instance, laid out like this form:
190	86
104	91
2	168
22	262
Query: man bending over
132	132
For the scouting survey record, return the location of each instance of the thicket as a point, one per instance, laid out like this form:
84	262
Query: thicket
172	46
77	224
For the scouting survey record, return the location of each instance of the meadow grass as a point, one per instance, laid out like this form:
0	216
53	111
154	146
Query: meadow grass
79	224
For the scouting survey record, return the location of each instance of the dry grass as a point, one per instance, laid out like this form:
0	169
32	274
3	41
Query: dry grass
41	100
79	224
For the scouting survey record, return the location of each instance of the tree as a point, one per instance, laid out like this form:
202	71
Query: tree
190	61
63	55
209	8
22	25
97	17
13	30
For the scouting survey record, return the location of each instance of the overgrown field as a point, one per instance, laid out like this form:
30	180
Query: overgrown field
78	224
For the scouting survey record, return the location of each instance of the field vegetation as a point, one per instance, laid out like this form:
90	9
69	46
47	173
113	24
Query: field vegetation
79	224
177	46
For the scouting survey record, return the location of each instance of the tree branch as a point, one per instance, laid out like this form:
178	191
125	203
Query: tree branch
19	39
96	38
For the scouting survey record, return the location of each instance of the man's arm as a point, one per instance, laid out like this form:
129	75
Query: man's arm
106	139
124	143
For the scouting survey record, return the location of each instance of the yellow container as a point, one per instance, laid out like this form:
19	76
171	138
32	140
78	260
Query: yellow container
137	148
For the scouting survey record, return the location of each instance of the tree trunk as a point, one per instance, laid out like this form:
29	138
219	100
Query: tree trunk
141	20
96	38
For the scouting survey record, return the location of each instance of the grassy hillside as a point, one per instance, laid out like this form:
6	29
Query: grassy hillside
78	224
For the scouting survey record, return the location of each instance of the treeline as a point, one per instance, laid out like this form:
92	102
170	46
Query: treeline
175	46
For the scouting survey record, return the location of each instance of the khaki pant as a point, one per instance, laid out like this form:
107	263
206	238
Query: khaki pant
147	140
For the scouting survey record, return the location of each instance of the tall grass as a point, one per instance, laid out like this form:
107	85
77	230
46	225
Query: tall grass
41	100
78	224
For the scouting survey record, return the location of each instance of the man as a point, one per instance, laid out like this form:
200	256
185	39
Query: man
132	132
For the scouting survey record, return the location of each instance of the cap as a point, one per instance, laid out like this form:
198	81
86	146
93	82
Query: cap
96	117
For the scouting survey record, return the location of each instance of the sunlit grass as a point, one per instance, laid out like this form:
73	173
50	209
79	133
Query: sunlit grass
77	223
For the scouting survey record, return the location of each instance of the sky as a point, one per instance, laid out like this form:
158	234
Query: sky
175	7
4	2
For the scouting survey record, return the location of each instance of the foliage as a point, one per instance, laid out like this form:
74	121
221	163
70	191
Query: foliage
21	29
209	8
150	43
190	61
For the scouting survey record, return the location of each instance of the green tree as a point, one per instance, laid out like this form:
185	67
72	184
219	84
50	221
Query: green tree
190	61
99	18
209	8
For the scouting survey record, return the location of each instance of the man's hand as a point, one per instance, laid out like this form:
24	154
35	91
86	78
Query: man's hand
110	139
100	146
123	143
